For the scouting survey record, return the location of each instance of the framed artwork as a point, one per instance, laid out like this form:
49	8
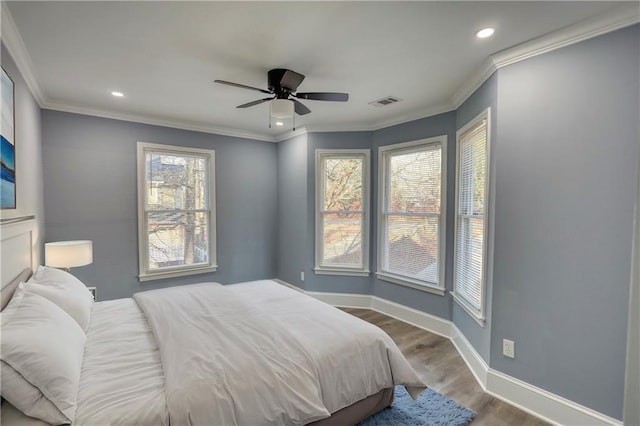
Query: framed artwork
7	149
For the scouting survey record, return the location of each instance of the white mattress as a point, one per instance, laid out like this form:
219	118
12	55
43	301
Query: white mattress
122	379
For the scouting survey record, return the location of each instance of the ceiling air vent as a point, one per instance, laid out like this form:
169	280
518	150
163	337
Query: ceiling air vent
388	100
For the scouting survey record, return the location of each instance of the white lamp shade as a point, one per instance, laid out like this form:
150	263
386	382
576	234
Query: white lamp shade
68	254
282	108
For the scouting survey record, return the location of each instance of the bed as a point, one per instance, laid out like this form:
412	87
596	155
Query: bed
248	353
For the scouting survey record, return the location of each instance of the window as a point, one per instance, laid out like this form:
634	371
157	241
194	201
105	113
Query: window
411	215
176	211
342	212
471	216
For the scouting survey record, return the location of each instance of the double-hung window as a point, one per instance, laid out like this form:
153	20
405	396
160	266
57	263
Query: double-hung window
342	212
470	250
176	211
411	216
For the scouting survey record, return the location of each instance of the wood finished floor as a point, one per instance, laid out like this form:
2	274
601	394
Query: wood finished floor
439	365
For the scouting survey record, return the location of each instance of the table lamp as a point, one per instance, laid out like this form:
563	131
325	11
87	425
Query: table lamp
68	254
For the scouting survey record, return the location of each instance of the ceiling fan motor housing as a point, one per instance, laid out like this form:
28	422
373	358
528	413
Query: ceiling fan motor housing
283	81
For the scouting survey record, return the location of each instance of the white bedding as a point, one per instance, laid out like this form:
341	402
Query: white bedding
327	358
230	359
341	341
121	380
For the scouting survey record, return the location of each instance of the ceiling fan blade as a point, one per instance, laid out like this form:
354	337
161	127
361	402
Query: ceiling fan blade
301	109
250	104
323	96
291	80
242	86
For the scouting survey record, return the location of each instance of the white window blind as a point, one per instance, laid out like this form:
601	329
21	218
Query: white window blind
411	216
342	201
176	214
470	232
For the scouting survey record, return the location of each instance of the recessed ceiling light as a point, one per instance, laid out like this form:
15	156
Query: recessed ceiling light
485	32
117	94
279	123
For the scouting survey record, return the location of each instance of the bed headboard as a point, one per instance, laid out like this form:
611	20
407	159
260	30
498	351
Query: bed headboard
7	292
17	240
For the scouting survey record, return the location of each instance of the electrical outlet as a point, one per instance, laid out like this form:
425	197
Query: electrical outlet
302	276
508	348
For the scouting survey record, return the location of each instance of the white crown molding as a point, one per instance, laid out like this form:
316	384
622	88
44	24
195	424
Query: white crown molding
344	127
291	134
416	115
175	124
473	83
377	125
14	44
616	19
538	402
620	17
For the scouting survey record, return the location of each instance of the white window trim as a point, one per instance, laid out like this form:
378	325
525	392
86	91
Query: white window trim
383	151
143	245
365	154
478	315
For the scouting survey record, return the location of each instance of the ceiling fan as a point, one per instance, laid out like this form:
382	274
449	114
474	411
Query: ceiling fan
283	84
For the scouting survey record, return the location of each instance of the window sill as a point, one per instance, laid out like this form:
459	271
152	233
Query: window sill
346	272
408	282
481	320
176	273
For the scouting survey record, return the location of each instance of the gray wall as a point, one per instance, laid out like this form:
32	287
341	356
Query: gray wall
632	381
28	148
90	193
331	283
292	244
565	193
442	124
485	97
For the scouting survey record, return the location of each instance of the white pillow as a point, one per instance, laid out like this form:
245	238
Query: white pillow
28	398
64	290
45	346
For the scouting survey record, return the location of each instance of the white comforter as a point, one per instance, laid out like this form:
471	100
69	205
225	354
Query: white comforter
121	381
259	353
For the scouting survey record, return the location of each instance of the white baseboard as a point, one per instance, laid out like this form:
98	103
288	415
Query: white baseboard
548	406
471	357
538	402
343	300
412	316
291	286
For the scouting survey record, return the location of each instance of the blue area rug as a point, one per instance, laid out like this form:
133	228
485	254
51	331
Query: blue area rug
430	409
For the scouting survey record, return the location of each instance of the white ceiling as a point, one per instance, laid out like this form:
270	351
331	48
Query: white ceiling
164	56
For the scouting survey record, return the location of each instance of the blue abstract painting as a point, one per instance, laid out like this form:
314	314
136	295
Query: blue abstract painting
7	148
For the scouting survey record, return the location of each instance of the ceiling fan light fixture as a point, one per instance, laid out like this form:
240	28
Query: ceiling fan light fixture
282	108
